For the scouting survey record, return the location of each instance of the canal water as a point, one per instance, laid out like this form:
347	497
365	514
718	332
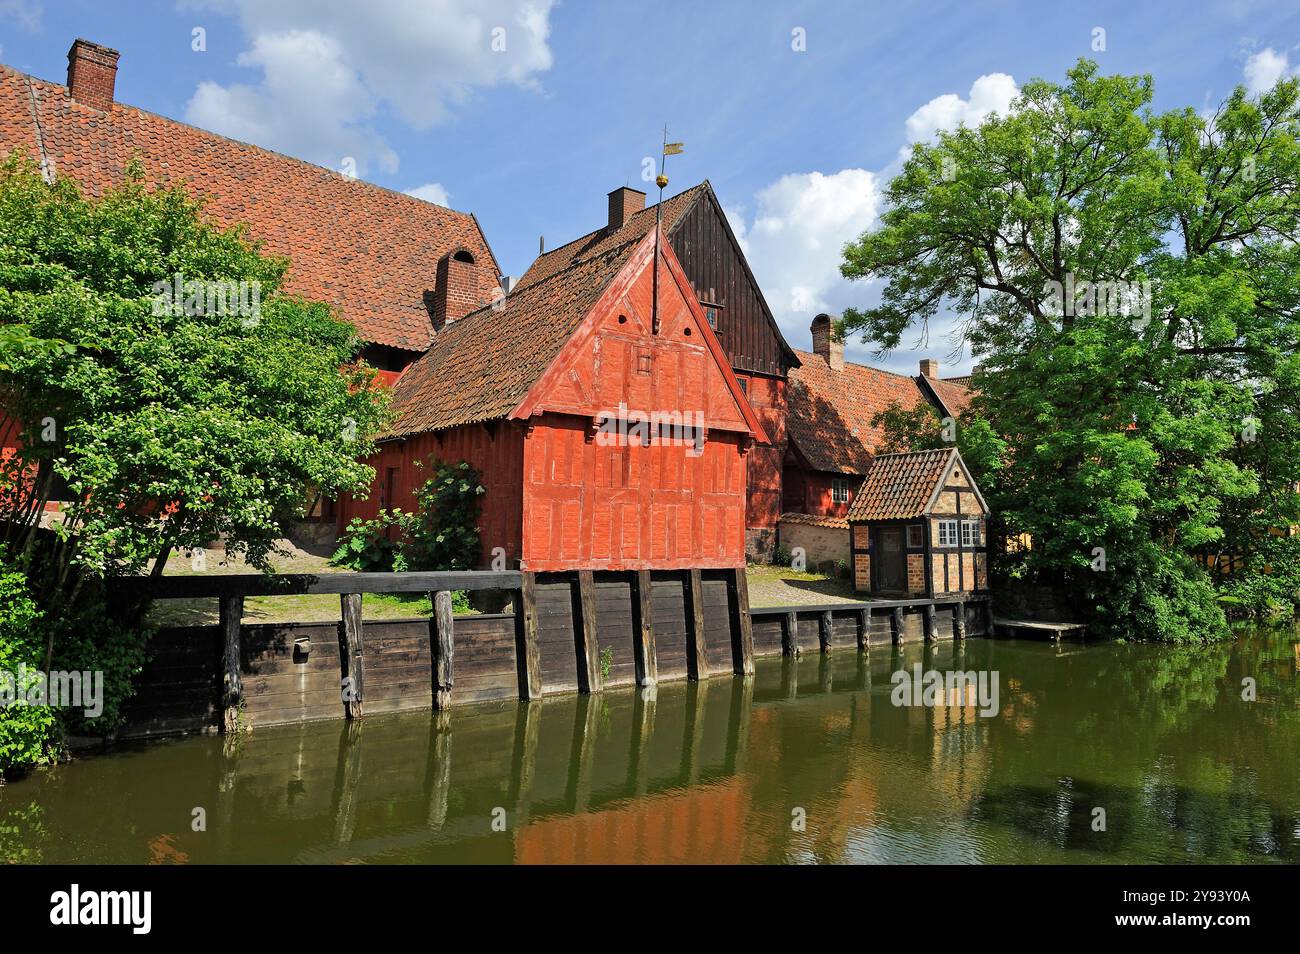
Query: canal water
1092	754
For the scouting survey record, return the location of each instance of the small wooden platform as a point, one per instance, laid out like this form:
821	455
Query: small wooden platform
1031	628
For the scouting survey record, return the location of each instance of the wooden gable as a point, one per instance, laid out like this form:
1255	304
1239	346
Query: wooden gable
712	259
615	362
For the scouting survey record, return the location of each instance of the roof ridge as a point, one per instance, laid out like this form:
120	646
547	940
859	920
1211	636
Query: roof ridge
916	453
606	228
859	364
241	142
532	286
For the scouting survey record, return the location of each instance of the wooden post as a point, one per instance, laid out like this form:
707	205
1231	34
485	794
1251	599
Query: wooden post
959	620
443	648
643	630
864	629
527	654
232	683
790	634
351	661
825	630
742	626
896	626
697	660
585	644
931	629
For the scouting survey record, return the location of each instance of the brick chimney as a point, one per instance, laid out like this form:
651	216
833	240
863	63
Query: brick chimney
929	368
623	204
826	344
456	290
92	72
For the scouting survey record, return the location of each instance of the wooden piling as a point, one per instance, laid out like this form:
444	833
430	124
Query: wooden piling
231	610
742	626
527	652
643	631
442	644
863	618
896	626
351	656
959	621
585	643
825	630
790	634
931	627
697	660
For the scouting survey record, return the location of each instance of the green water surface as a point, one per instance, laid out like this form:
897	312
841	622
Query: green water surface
810	760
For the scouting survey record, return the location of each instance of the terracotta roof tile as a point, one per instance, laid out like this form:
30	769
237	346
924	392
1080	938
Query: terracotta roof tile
899	486
814	520
368	251
604	240
953	393
830	412
480	367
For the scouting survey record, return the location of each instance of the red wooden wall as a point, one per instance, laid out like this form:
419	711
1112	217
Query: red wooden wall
767	396
495	451
630	507
594	503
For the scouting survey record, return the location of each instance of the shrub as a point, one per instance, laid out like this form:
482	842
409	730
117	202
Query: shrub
368	545
443	535
29	735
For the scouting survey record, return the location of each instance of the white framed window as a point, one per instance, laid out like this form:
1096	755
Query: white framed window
970	533
947	533
839	490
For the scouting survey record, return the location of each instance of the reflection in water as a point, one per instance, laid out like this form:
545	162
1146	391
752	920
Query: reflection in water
721	771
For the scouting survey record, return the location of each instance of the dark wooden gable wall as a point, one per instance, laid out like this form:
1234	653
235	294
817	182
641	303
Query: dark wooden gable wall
712	259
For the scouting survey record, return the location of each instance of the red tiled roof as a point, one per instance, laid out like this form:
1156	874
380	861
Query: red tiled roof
368	251
813	520
830	412
953	393
480	367
603	240
899	486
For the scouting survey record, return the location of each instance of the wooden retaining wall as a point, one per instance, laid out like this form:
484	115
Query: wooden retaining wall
576	632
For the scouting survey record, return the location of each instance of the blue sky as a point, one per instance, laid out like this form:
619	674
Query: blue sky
798	143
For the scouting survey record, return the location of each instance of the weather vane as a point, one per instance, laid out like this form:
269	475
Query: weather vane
661	180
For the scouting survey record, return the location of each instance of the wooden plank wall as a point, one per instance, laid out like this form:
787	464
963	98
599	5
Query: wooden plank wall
292	672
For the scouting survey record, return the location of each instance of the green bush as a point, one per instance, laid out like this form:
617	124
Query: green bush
29	735
366	545
443	535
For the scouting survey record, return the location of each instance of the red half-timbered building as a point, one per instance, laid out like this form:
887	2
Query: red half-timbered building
734	306
543	393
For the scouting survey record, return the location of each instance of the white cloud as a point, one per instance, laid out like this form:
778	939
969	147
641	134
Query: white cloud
794	239
432	192
1265	68
992	92
800	224
25	13
329	67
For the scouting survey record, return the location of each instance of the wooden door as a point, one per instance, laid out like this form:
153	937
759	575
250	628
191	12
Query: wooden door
890	560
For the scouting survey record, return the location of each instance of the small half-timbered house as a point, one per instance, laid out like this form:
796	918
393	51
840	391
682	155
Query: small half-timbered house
918	527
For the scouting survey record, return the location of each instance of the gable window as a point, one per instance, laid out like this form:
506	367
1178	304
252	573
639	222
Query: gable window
839	490
711	314
744	386
947	533
916	536
970	533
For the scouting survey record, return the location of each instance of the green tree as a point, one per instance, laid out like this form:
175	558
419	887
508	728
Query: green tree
1129	280
170	419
